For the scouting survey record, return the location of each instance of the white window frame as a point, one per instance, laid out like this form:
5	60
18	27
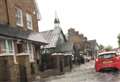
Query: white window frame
29	21
19	17
31	54
7	50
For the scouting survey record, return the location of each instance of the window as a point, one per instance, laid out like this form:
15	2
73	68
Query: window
30	51
109	55
19	17
21	48
29	21
6	46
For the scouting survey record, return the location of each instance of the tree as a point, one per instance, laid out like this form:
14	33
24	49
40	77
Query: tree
108	48
101	47
118	40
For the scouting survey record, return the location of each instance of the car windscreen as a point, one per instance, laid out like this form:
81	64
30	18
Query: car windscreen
109	55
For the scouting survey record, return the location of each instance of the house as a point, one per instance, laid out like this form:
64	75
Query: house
78	41
93	48
19	42
54	55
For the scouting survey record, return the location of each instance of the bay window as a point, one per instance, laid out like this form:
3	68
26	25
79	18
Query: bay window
6	47
21	47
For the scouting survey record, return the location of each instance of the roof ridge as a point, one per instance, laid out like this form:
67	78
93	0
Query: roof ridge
45	31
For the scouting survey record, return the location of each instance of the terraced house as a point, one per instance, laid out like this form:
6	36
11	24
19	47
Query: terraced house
19	42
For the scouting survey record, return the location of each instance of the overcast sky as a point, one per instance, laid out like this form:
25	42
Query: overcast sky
96	19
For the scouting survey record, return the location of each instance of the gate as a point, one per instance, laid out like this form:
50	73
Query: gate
61	66
23	73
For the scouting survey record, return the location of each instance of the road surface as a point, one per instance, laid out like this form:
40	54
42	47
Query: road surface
85	73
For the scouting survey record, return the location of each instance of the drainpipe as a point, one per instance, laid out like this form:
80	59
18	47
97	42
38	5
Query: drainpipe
6	4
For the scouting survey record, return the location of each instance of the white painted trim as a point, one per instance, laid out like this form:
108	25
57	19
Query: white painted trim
22	54
6	54
31	55
67	54
14	56
57	54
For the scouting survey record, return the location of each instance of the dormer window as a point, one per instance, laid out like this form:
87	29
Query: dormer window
19	17
29	21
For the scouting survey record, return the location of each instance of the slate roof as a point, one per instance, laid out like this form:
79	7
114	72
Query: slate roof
51	36
35	36
8	31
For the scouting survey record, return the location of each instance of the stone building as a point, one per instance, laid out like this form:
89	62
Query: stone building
80	44
19	42
56	59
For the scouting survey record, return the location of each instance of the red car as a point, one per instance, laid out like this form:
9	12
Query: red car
107	60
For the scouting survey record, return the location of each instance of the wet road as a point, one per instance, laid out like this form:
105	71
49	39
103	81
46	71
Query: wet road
86	73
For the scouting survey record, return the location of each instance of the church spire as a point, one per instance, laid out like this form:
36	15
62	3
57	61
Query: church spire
57	27
56	20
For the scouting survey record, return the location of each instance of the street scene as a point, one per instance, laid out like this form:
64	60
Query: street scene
59	41
85	73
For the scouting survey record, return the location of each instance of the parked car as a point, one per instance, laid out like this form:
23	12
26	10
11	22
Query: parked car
107	60
81	59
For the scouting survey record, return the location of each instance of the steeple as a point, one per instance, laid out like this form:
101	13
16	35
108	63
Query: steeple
56	20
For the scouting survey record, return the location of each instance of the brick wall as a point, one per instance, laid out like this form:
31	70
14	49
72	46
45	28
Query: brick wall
27	6
10	72
3	12
24	61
